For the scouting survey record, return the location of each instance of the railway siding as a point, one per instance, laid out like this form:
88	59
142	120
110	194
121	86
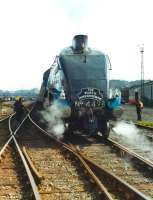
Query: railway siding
63	177
117	185
14	182
120	165
15	164
140	143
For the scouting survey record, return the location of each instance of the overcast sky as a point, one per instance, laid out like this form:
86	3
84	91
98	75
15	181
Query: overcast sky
33	32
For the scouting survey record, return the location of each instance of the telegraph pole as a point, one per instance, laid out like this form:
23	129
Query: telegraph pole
142	71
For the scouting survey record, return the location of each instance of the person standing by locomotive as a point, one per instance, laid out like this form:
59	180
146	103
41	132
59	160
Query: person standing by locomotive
139	107
19	109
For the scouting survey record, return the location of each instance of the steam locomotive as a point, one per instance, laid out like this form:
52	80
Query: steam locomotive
78	81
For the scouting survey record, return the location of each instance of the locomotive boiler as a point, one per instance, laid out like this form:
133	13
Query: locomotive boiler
78	81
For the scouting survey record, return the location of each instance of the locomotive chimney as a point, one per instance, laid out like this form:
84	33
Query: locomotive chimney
79	43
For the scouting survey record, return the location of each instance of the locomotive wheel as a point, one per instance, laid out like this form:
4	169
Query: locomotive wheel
68	133
105	130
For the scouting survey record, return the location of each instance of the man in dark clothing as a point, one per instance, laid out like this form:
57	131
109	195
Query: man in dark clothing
139	106
19	109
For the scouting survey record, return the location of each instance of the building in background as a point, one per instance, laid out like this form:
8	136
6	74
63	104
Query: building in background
128	93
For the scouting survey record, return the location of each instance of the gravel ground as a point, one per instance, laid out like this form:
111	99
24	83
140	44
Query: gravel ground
7	108
130	113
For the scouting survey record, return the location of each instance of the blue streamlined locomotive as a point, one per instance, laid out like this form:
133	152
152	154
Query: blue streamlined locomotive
78	81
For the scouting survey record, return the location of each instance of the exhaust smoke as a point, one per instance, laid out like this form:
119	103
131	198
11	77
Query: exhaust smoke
53	116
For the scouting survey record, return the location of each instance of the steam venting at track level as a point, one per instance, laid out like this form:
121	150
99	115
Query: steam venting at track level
53	116
133	136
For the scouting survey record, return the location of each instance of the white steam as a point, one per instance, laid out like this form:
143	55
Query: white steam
53	115
114	92
127	130
134	138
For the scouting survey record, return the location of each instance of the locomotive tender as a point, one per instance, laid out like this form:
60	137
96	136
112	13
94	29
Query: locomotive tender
78	81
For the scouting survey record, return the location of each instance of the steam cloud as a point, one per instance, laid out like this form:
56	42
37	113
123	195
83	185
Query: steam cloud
130	135
114	92
53	116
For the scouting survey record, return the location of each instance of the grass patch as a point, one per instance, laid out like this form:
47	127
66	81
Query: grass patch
145	123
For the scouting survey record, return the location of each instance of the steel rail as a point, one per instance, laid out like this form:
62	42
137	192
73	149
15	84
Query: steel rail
134	193
130	153
1	120
12	138
69	148
35	171
26	166
118	181
11	135
31	179
8	141
90	172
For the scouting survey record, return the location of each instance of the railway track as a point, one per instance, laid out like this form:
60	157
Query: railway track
66	171
138	140
4	118
4	132
145	130
16	180
14	183
122	164
61	174
119	189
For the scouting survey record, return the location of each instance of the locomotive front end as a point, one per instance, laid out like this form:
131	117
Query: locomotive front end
78	83
86	86
88	109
